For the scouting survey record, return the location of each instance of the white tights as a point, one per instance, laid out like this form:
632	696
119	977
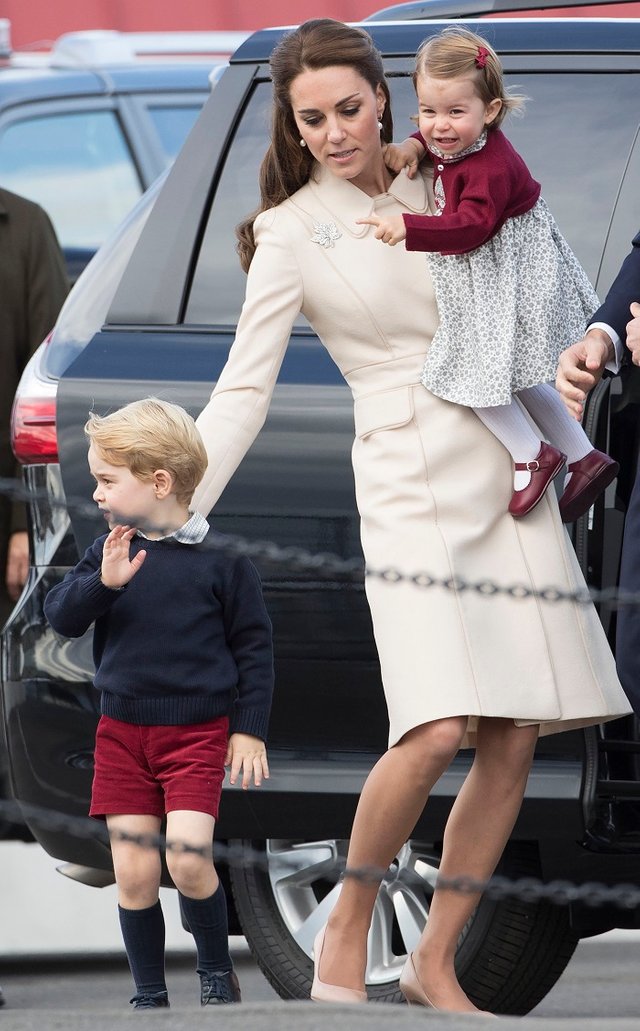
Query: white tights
512	428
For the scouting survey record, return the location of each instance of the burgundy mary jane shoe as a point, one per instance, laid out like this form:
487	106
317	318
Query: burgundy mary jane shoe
545	466
589	477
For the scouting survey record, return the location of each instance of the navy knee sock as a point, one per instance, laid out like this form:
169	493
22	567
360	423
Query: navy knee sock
143	934
207	919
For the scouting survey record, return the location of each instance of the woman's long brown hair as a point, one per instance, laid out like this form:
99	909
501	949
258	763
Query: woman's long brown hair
318	43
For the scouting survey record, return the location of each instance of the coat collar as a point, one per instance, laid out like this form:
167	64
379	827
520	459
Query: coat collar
345	203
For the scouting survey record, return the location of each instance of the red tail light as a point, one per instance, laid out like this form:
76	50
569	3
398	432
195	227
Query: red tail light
33	430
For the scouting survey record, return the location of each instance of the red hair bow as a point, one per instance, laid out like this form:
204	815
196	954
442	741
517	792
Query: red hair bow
481	57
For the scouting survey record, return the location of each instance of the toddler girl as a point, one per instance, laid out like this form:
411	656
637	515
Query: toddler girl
511	294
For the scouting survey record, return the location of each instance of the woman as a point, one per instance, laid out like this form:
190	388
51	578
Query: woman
457	669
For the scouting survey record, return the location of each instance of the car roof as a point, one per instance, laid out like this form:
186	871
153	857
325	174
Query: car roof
40	82
517	35
107	61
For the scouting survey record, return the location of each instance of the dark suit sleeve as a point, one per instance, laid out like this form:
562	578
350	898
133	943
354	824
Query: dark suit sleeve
624	289
46	287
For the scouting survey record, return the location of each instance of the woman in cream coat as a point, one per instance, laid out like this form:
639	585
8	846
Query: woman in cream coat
432	488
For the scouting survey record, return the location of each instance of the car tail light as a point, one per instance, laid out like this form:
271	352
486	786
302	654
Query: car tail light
33	420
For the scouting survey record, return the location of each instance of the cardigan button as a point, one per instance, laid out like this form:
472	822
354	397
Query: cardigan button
440	168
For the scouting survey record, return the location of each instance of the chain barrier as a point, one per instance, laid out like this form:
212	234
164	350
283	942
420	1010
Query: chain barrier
497	888
326	565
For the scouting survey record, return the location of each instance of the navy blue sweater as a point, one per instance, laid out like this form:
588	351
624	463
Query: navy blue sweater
188	639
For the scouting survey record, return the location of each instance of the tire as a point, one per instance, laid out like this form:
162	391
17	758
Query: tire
510	955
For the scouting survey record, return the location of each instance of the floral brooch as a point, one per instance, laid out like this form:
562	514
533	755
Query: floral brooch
325	233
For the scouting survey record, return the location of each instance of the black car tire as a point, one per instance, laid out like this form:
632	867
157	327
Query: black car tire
510	955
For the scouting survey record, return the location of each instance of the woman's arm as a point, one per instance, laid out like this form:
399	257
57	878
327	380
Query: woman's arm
239	403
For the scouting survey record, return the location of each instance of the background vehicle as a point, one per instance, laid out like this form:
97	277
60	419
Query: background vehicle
163	325
86	127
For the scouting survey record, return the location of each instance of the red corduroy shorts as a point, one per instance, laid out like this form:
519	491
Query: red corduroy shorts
151	771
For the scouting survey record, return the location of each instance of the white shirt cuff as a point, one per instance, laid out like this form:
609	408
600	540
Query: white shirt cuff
618	346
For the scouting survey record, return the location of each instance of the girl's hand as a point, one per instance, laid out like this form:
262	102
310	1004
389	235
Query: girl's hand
390	230
116	569
407	155
247	755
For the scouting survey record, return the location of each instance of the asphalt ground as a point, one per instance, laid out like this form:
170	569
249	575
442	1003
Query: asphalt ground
600	989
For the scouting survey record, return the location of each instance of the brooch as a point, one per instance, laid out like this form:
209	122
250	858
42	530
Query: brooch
325	233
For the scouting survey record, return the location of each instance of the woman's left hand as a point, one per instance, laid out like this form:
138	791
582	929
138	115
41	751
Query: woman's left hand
247	755
390	230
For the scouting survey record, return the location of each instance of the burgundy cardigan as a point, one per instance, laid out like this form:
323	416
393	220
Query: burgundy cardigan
481	192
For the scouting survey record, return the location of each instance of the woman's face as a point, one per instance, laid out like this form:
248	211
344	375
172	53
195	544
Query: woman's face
337	114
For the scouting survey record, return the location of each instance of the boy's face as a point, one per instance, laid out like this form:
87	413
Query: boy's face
121	496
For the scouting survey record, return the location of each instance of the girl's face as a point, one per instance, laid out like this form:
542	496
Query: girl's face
337	112
451	115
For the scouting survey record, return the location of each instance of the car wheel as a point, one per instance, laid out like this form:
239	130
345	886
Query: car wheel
510	954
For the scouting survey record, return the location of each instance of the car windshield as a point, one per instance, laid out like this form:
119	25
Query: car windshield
84	311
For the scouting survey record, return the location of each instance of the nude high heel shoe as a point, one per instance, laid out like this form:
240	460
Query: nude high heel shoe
415	994
410	986
321	992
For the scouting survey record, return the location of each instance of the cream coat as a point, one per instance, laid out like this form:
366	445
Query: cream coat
432	483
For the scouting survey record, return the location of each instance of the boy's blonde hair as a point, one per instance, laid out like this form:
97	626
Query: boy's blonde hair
455	53
148	435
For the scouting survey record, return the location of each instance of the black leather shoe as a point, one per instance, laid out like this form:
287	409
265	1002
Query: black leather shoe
219	988
150	1000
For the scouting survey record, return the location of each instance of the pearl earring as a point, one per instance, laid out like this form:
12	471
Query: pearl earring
302	143
380	125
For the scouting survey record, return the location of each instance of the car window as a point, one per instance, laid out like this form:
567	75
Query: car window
173	125
557	136
77	165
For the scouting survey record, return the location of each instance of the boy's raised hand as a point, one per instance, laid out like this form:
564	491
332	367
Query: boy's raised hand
247	755
117	569
390	230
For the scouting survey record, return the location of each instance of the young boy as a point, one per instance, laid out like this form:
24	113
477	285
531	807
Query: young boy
183	656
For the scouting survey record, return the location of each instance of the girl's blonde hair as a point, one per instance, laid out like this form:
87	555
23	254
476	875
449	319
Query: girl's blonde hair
148	435
456	53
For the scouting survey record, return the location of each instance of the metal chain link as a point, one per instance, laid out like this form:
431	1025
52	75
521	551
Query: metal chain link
326	565
526	889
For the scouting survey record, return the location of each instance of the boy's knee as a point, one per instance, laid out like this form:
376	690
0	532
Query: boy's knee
191	874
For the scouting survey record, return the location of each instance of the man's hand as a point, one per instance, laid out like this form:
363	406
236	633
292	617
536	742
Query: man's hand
117	570
633	333
580	367
17	563
247	755
390	230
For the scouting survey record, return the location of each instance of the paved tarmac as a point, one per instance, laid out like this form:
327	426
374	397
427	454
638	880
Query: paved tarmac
296	1016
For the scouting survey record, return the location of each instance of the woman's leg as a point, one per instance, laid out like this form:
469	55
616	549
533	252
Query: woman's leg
477	831
391	802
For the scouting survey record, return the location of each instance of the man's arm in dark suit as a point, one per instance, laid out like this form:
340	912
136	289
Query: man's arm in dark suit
624	290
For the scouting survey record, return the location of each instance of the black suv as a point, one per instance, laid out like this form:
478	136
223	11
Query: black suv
155	314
